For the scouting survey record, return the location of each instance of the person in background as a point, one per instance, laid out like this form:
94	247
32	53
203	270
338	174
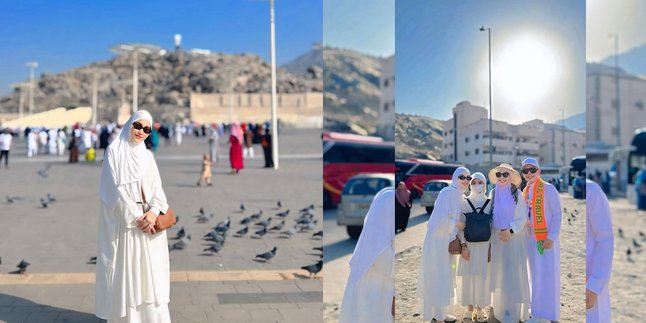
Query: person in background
403	204
206	171
235	148
5	146
265	142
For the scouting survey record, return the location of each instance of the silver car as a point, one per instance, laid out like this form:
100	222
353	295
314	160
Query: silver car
356	198
431	191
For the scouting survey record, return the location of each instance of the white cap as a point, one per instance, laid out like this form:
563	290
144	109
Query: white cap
530	161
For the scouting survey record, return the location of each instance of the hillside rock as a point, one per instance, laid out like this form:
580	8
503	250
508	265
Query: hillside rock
417	137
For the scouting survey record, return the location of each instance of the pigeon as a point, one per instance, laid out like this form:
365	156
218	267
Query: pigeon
282	214
264	223
628	252
318	248
641	234
214	248
304	220
636	244
280	204
318	234
22	266
215	236
92	260
256	216
576	211
242	208
246	220
261	232
181	233
201	210
278	226
204	218
182	243
565	209
289	232
569	221
43	172
43	203
573	216
242	231
268	255
314	268
307	209
621	233
309	226
50	198
223	226
9	199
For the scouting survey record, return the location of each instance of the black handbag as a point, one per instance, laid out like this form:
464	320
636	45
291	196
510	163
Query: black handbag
478	224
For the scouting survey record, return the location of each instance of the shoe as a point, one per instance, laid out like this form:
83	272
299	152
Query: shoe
450	318
468	316
481	317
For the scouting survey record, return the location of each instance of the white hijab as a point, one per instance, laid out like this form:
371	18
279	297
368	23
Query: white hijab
124	161
448	201
478	195
377	235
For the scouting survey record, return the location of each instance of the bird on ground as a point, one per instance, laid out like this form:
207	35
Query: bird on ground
223	225
636	244
565	210
9	199
289	232
22	266
308	226
261	232
268	255
203	218
43	203
201	210
641	234
50	198
308	208
576	211
182	243
245	220
92	260
318	248
283	214
242	208
278	226
256	216
43	172
621	233
569	221
215	236
279	204
318	234
214	248
242	231
181	233
264	223
628	252
314	268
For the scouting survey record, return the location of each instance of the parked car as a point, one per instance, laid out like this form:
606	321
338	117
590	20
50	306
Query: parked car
431	191
356	198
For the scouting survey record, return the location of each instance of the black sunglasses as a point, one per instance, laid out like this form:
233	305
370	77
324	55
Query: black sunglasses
532	170
505	174
139	126
462	177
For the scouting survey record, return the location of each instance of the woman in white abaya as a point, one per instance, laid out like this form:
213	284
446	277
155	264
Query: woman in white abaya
132	275
472	286
508	268
369	293
436	282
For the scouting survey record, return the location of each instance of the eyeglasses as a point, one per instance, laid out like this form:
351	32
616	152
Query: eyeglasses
532	170
462	177
505	174
139	126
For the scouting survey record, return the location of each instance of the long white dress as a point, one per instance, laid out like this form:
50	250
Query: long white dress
508	269
545	269
436	284
371	285
599	241
472	285
133	272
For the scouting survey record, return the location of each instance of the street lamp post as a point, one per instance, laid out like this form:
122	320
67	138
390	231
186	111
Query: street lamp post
488	29
32	65
563	132
95	94
135	49
21	99
274	120
616	37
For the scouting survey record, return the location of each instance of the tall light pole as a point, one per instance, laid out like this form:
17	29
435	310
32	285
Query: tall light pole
563	132
616	37
135	49
95	97
488	29
32	65
21	99
274	120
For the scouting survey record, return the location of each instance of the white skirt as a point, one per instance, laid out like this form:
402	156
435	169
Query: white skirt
509	281
146	313
472	284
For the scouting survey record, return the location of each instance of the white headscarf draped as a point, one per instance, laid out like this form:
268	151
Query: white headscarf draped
482	194
124	161
377	235
448	202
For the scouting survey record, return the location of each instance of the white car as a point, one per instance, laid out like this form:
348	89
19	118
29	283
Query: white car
356	199
431	190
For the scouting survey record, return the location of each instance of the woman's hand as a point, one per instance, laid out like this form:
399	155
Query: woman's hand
465	253
147	222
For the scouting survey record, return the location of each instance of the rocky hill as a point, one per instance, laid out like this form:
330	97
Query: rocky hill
417	137
351	97
165	82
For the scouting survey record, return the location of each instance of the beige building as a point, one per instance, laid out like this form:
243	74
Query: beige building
466	140
299	109
386	125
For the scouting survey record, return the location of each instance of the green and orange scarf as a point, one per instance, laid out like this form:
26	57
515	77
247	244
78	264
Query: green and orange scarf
538	208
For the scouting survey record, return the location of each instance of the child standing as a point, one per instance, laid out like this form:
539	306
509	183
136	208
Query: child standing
206	171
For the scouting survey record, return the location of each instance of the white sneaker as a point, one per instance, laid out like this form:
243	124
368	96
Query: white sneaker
450	318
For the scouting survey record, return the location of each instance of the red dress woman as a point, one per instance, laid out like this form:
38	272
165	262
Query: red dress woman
235	149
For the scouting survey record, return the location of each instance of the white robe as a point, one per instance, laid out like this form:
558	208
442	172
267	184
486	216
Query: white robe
599	242
436	288
133	272
508	269
472	285
545	269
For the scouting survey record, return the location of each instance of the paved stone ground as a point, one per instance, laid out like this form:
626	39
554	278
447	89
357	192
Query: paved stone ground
61	238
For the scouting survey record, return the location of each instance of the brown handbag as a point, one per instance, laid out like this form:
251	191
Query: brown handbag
455	248
164	220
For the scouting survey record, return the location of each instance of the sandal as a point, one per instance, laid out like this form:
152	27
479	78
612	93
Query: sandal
480	317
468	316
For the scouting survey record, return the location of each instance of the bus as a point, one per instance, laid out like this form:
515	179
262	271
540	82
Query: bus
416	172
346	155
637	157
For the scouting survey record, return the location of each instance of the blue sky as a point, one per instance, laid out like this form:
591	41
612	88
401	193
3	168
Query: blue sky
65	34
538	57
366	26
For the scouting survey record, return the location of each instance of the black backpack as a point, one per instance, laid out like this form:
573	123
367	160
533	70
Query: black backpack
478	225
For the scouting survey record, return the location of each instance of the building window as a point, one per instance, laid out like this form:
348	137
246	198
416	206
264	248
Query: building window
445	145
639	105
477	136
574	145
477	151
466	139
466	153
386	107
386	83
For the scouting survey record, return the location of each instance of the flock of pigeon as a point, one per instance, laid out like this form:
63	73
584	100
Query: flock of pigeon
256	227
636	247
